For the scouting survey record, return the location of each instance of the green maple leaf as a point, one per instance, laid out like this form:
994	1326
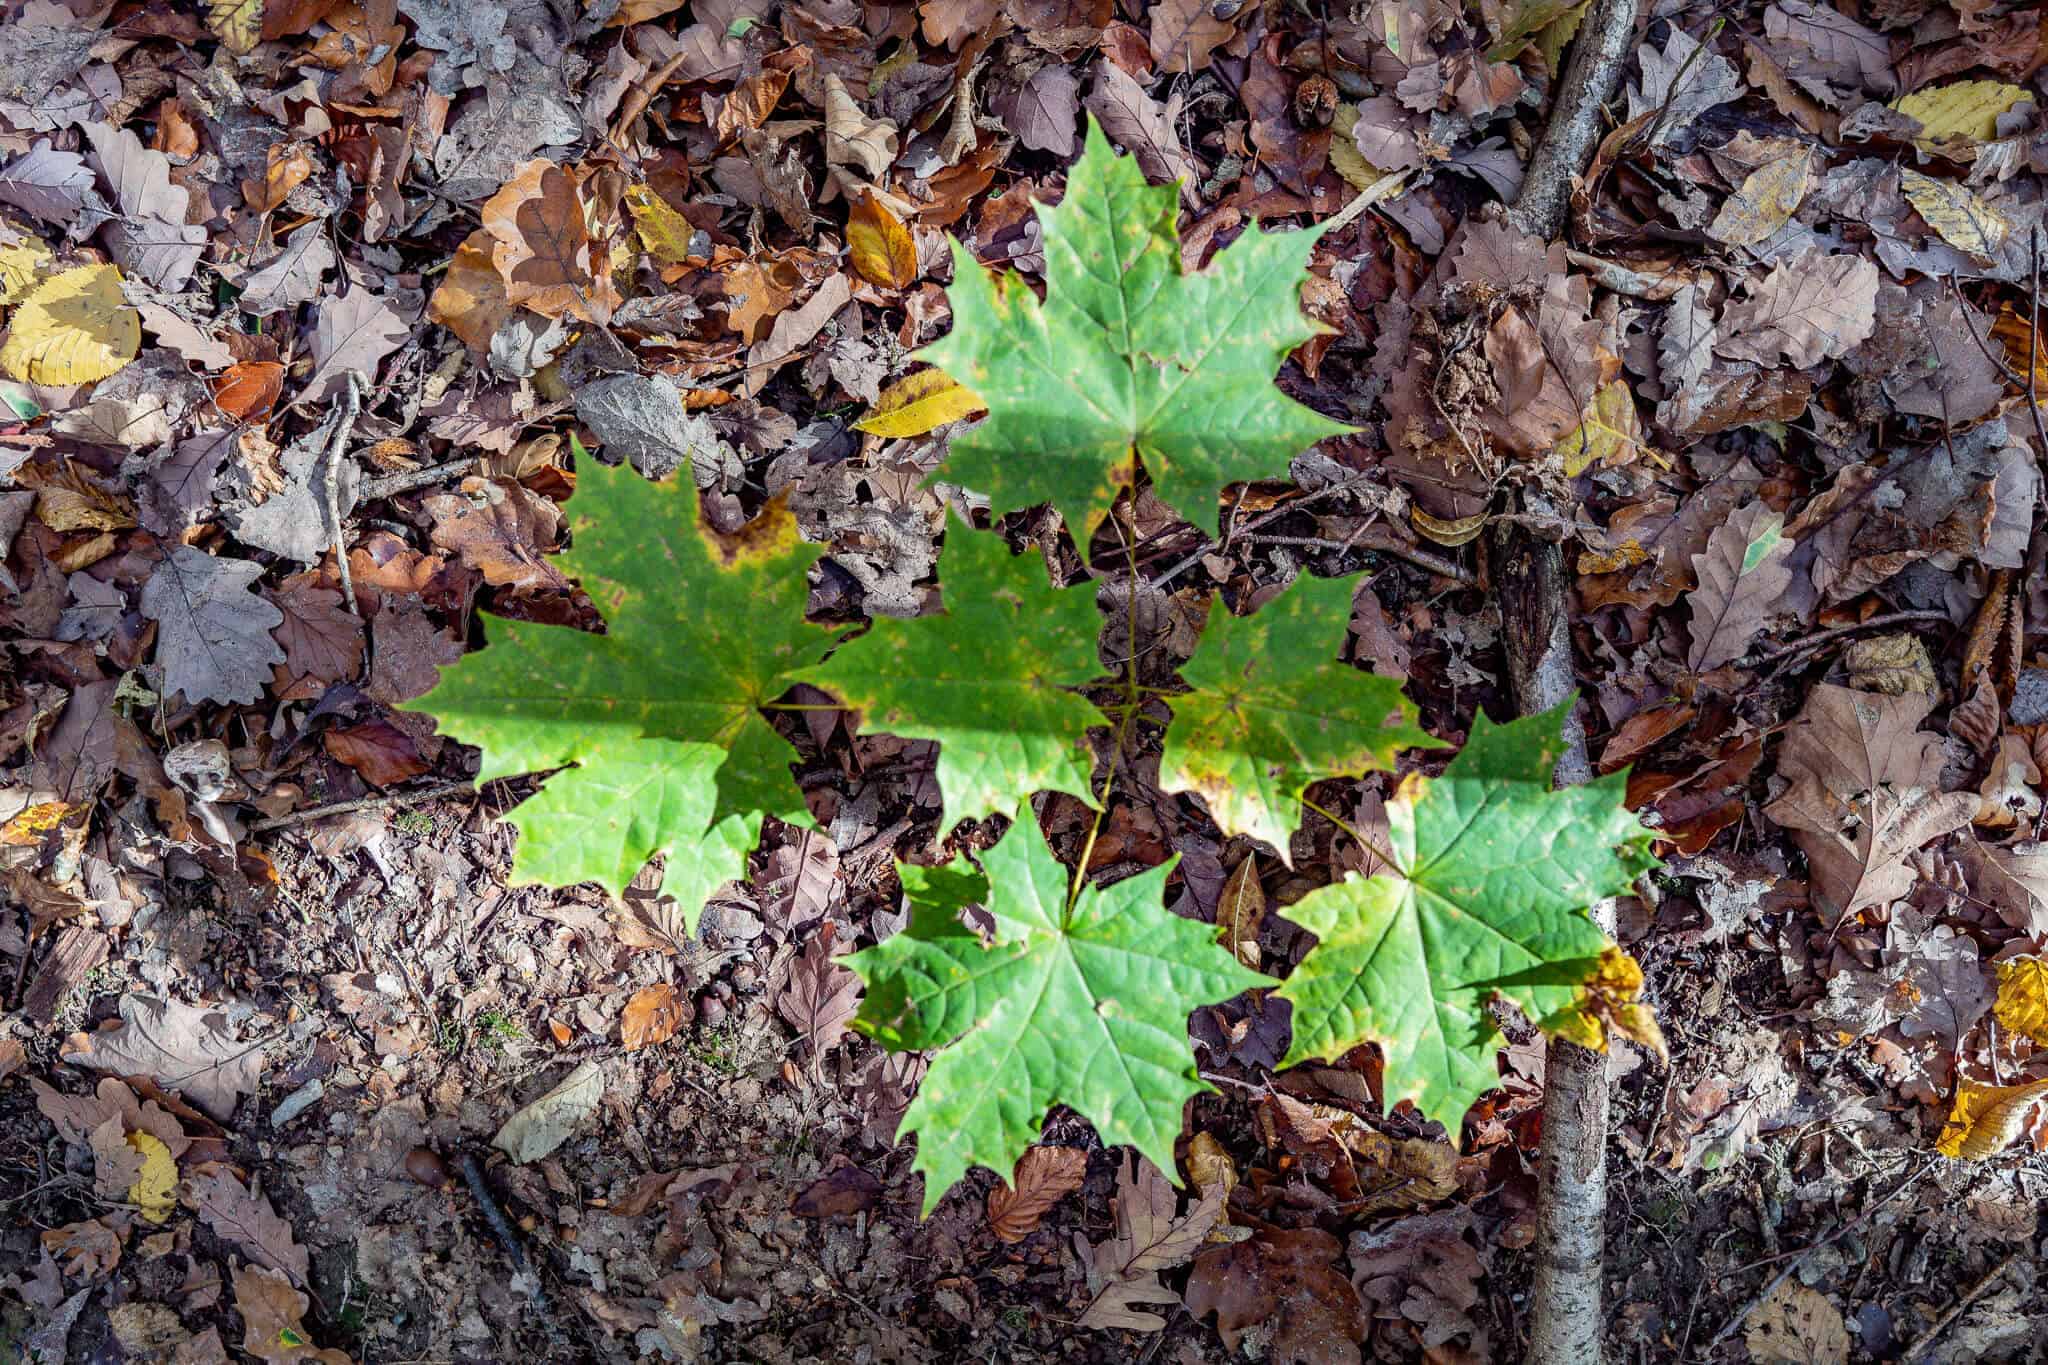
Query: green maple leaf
1500	872
988	680
1127	354
1084	1005
1273	710
660	716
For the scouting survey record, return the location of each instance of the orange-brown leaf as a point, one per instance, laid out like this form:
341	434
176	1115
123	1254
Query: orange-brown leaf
652	1016
248	390
883	251
470	300
1044	1176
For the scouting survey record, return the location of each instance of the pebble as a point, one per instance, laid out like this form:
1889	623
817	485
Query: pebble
297	1103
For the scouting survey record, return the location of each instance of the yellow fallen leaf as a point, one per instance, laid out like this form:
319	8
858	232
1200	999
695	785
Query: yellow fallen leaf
663	231
1345	158
2023	997
72	328
926	400
20	267
1611	434
883	251
237	23
155	1191
1986	1118
1967	109
1964	221
1769	196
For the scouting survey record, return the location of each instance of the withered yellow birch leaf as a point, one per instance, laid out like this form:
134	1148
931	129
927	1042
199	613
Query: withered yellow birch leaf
155	1190
72	328
1986	1118
923	402
20	267
1769	196
237	23
1964	221
470	300
883	252
1611	435
543	248
664	233
2023	997
1967	109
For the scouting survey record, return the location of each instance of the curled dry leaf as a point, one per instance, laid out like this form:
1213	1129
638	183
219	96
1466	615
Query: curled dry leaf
542	245
1123	1272
1044	1176
651	1017
1985	1119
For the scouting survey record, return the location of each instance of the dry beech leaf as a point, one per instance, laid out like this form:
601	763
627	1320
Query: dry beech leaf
249	390
1610	436
923	402
470	300
284	170
663	232
651	1017
1044	1176
1240	912
884	253
1960	109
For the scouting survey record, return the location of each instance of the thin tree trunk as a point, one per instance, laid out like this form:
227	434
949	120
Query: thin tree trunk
1567	1316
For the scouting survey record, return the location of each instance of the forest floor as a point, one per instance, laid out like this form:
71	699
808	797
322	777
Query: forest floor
270	1000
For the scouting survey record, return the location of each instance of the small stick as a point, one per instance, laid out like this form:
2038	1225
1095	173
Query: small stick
352	406
391	485
1374	538
1975	1292
501	1226
1819	638
394	801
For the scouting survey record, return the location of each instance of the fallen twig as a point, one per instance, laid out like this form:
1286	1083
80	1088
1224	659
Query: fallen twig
1823	637
337	448
501	1226
1975	1292
394	801
391	485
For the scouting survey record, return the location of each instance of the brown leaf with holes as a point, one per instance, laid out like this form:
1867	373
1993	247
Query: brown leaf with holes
1044	1176
542	245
